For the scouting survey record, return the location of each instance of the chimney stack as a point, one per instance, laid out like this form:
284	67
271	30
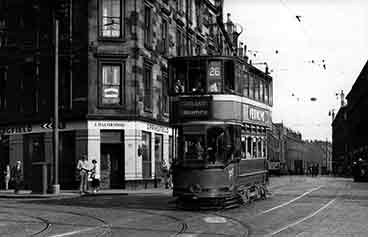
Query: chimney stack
342	98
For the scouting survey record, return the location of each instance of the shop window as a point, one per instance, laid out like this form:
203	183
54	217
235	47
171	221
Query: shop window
146	155
147	83
111	88
158	154
111	18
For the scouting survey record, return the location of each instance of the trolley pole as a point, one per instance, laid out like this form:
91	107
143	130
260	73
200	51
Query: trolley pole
55	187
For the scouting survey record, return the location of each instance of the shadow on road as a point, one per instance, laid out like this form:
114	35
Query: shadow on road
141	201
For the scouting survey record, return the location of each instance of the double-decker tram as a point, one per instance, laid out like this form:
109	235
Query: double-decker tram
220	111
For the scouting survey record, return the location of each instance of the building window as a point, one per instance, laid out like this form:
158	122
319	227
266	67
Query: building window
111	18
180	6
180	43
147	83
190	10
164	36
3	37
3	75
147	27
111	84
165	97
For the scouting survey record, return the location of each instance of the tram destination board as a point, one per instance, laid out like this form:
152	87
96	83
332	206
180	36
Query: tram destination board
194	108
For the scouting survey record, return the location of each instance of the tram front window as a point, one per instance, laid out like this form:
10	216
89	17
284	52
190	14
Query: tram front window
217	144
194	147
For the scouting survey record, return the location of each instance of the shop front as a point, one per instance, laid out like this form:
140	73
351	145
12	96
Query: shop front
129	154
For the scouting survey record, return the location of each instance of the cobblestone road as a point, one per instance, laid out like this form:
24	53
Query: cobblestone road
299	206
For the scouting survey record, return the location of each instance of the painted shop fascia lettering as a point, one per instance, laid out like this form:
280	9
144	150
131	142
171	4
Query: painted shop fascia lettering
119	125
15	130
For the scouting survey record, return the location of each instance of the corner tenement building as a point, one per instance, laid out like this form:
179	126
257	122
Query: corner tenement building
113	80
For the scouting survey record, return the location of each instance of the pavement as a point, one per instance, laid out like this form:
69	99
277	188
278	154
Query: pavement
275	183
75	193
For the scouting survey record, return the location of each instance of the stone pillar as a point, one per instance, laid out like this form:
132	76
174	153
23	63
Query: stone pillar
15	149
94	146
133	162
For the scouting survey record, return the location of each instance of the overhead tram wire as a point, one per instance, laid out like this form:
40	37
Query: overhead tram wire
301	24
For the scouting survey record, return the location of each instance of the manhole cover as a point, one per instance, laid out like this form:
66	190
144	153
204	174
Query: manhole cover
215	219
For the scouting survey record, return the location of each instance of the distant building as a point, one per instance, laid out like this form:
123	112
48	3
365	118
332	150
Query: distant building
296	155
356	126
113	81
340	142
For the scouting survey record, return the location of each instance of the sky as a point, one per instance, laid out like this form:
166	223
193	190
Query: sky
307	35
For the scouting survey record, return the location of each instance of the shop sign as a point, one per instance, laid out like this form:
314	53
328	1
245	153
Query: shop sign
157	128
111	93
195	108
257	115
17	129
108	124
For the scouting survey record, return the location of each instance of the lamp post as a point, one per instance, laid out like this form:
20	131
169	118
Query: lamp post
55	187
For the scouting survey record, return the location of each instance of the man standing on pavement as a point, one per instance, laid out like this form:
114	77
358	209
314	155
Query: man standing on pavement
16	176
82	167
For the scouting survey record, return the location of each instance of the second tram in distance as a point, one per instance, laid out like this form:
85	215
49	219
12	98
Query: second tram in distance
220	111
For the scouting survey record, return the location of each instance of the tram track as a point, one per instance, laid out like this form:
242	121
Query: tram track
49	224
182	228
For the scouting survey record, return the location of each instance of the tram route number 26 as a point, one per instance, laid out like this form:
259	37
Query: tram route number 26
215	71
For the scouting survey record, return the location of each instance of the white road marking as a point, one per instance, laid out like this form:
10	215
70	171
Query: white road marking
293	200
215	219
76	231
303	219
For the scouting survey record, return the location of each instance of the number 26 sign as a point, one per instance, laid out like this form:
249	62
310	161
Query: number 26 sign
214	70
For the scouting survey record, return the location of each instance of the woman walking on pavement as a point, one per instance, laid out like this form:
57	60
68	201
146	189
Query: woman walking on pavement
82	167
95	177
7	176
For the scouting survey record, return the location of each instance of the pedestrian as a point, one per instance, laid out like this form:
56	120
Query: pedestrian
82	167
16	176
165	174
95	177
7	176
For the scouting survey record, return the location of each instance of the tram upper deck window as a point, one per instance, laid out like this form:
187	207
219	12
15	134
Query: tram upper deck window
189	77
229	72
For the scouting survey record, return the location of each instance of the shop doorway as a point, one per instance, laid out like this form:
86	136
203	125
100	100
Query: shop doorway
112	160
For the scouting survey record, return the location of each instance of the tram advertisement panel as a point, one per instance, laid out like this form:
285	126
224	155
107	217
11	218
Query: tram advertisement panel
193	108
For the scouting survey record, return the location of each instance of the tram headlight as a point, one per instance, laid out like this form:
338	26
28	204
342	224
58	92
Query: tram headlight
196	188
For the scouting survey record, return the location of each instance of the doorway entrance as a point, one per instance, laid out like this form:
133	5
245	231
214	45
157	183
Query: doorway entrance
112	160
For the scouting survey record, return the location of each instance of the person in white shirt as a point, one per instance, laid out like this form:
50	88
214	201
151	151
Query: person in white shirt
82	167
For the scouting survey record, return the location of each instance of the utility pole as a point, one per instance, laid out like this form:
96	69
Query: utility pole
55	187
